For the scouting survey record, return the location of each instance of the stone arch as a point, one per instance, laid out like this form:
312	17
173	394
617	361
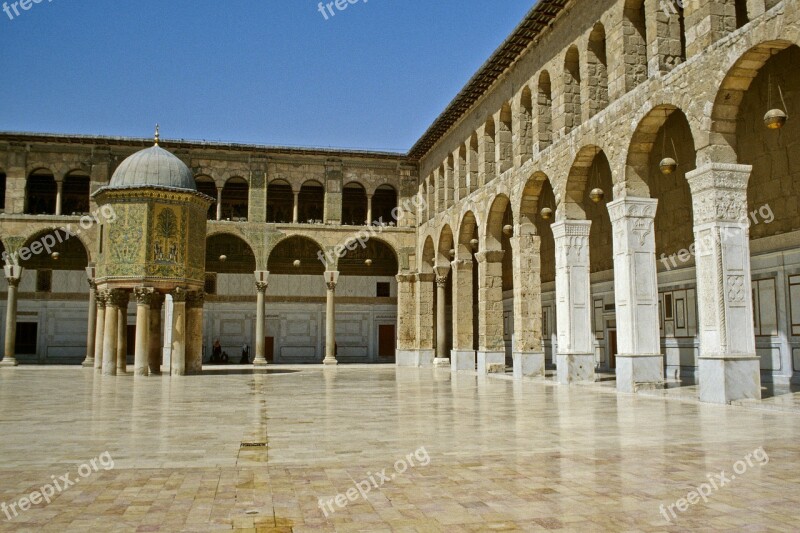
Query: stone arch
528	203
730	95
383	257
525	136
239	257
280	201
41	244
428	256
645	139
284	254
445	244
496	219
467	232
572	205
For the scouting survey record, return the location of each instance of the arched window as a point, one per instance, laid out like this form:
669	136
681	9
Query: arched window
572	90
207	186
75	194
526	124
40	193
311	203
383	202
280	202
234	199
354	205
597	70
634	35
545	111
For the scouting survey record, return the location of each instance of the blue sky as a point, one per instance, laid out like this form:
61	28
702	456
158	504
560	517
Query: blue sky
373	76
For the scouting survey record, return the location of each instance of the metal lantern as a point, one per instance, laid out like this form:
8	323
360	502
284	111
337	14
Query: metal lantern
368	262
452	253
508	230
597	195
668	166
474	243
296	263
223	258
55	256
546	213
775	119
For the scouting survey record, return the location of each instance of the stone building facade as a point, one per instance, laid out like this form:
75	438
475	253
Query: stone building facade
603	194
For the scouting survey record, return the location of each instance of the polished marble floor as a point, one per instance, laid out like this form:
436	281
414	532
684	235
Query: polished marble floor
257	452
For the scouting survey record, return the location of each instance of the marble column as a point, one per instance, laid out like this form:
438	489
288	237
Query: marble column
155	352
528	350
114	300
261	313
194	332
219	204
178	359
59	195
296	208
636	293
9	358
143	296
330	322
424	353
462	357
575	358
122	334
729	368
369	210
491	344
406	319
100	325
442	356
91	331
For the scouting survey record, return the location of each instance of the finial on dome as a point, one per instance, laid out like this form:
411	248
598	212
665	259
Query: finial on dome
157	136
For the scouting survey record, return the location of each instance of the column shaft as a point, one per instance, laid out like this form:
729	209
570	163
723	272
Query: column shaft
636	293
194	332
406	320
59	195
728	364
122	335
9	358
143	296
113	302
178	359
369	210
91	326
261	344
219	204
442	356
330	326
491	344
575	358
155	337
296	208
424	336
528	351
100	327
463	355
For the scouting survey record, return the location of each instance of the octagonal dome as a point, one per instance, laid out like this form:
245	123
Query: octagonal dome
153	167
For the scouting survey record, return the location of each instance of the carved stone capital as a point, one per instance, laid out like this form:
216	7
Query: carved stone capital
421	278
143	295
441	281
331	286
261	287
406	278
719	193
195	299
117	298
179	295
13	282
490	256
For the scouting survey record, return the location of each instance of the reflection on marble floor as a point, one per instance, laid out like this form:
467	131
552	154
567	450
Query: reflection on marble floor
504	456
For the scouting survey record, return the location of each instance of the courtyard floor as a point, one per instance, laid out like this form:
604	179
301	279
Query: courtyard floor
237	450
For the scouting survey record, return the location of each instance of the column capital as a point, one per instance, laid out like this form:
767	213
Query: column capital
424	277
490	256
117	298
262	286
331	285
100	298
143	295
92	284
406	277
179	295
719	192
13	282
632	207
195	299
441	271
461	264
571	228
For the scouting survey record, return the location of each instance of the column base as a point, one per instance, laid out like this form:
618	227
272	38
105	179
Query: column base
88	362
414	358
140	372
528	364
489	359
9	361
330	361
726	379
574	368
441	361
634	369
260	361
462	360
